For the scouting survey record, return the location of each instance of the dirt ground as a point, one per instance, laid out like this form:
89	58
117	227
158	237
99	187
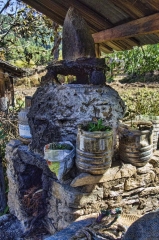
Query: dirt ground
120	87
23	90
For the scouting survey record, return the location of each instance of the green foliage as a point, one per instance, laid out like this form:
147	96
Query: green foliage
2	135
6	210
137	61
8	130
26	35
141	102
60	146
96	126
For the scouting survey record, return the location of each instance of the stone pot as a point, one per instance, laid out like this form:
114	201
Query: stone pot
135	143
94	151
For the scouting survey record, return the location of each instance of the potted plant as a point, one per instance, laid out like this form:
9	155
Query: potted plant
135	142
94	147
59	157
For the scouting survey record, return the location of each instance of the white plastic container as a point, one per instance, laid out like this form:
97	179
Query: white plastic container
24	129
59	161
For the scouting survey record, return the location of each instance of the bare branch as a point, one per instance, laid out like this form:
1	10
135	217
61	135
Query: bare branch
5	6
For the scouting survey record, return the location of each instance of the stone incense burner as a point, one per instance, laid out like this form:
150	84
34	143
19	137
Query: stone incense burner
55	113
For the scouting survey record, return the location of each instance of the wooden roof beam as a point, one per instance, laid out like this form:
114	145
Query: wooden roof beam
154	4
145	25
135	9
39	6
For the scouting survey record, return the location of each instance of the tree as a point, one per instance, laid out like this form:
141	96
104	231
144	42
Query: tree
26	34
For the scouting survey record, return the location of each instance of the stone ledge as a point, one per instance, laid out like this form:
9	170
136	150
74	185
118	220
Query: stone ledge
74	198
126	170
155	159
150	191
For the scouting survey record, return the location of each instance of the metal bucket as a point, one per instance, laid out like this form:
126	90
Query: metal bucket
155	123
94	151
135	146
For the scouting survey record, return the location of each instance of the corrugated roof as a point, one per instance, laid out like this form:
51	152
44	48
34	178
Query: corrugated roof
107	14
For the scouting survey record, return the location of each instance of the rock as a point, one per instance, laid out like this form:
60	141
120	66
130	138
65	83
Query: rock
10	227
34	159
74	198
119	187
149	191
133	192
144	169
83	71
145	228
70	231
23	175
114	194
139	181
77	41
127	170
155	159
97	78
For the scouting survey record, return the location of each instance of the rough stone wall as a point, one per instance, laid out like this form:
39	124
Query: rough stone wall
24	170
14	201
133	189
56	111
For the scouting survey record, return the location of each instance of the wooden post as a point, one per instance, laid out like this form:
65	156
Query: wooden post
97	50
2	189
28	101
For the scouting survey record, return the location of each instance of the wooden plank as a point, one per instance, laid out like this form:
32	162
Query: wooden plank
53	6
157	34
135	9
144	25
1	73
154	4
97	50
115	46
105	48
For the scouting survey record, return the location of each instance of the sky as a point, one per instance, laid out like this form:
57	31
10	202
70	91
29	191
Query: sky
11	8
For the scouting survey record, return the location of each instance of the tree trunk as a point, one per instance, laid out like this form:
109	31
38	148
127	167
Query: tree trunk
57	41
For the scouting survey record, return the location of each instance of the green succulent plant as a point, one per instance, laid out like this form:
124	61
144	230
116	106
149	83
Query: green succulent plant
97	126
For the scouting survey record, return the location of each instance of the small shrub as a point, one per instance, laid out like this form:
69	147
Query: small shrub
8	130
141	102
96	126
